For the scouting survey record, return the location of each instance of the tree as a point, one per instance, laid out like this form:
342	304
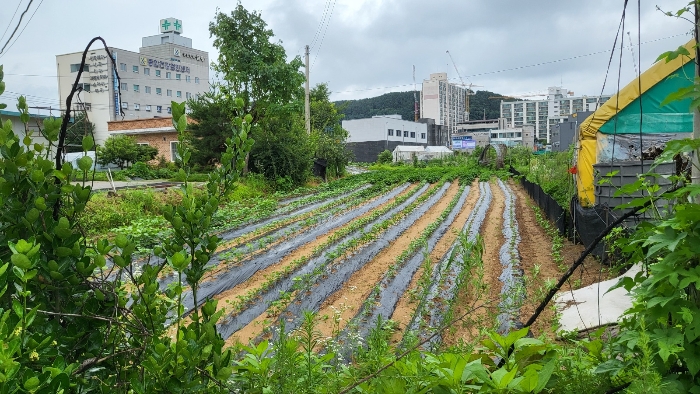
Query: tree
253	67
212	116
282	151
123	150
328	134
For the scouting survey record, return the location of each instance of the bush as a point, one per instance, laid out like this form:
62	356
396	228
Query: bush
385	157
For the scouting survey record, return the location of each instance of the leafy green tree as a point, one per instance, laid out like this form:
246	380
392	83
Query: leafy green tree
282	152
328	134
253	67
212	116
123	150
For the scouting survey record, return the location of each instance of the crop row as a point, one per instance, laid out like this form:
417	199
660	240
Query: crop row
309	268
443	283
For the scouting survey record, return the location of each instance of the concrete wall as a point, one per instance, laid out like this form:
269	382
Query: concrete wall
367	151
378	129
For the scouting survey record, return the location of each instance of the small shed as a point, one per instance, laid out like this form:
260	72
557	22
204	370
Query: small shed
407	152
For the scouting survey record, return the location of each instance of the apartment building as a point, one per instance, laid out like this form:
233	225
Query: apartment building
443	101
135	85
544	114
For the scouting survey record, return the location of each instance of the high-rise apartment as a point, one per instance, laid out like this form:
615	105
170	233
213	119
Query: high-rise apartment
544	114
443	101
166	68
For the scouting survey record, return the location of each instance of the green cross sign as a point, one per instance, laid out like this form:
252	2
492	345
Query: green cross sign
166	25
177	25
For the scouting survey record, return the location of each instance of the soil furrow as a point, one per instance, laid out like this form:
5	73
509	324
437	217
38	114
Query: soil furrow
301	251
406	307
236	275
342	305
492	236
339	273
243	319
251	323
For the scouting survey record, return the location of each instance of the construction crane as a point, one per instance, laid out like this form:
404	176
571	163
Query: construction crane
469	89
415	98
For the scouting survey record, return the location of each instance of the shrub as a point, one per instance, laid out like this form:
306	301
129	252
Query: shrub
385	157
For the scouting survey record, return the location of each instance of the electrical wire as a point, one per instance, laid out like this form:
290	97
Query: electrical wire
17	27
320	45
11	19
320	24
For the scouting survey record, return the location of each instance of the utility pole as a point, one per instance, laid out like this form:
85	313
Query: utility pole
307	104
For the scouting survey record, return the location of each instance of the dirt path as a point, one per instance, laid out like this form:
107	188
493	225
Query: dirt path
535	259
229	297
539	266
492	235
407	303
340	307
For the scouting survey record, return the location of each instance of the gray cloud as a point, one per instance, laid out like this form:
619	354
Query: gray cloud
368	47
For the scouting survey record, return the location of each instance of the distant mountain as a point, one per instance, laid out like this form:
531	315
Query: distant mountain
402	103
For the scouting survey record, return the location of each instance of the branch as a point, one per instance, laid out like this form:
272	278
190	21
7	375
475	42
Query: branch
585	254
94	360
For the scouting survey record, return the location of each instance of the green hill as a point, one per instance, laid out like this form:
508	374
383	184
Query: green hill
402	103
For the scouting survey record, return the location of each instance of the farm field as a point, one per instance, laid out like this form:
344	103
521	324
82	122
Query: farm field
409	253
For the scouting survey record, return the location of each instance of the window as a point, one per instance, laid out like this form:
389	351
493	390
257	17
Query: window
148	89
75	67
168	75
159	108
142	143
122	66
158	73
422	136
137	107
148	108
125	105
173	150
178	94
170	110
188	95
196	79
405	133
178	76
136	88
390	132
146	71
125	86
84	86
159	92
413	134
187	78
169	93
135	69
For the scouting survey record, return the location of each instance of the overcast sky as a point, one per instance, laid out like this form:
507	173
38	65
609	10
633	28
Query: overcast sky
363	48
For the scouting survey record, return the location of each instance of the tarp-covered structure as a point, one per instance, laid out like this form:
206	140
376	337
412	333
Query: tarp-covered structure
632	120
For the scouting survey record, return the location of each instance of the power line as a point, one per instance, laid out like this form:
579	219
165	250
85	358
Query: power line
328	22
321	22
519	67
25	26
11	19
16	27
